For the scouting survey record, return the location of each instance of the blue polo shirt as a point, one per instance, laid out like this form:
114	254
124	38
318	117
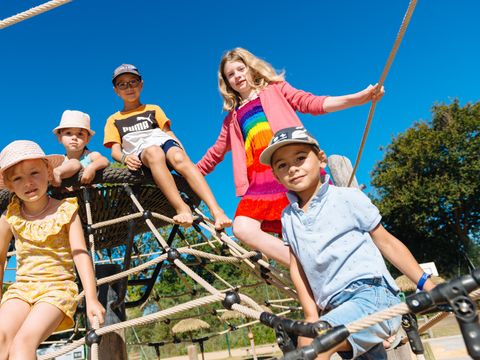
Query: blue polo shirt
332	241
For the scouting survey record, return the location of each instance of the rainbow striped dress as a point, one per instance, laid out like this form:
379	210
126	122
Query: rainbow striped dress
265	198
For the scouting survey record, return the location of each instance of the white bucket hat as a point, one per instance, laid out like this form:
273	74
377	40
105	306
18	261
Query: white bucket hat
21	150
74	119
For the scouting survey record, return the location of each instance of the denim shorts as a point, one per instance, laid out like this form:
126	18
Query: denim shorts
357	300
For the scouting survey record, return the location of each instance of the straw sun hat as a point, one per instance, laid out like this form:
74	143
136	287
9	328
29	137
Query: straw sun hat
21	150
74	119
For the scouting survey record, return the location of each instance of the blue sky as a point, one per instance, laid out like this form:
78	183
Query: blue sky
63	59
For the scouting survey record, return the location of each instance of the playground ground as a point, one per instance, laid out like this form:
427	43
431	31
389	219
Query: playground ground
444	342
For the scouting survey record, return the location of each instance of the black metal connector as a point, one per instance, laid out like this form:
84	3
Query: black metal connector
257	256
92	338
409	324
172	254
231	298
147	214
320	344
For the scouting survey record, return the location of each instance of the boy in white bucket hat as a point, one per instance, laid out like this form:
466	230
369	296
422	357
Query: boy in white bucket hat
74	133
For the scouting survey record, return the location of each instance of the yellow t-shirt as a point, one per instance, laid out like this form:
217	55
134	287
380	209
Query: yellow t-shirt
137	129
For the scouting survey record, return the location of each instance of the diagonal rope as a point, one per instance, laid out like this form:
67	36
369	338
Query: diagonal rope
393	52
37	10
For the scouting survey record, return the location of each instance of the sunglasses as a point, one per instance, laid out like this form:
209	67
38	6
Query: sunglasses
124	85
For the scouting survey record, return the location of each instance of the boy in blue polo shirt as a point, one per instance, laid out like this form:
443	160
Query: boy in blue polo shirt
336	245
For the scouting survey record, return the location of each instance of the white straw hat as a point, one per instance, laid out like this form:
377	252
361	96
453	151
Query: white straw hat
21	150
74	119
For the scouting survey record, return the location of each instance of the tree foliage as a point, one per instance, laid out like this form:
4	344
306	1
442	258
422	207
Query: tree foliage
428	189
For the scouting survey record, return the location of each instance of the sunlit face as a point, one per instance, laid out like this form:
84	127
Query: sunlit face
128	87
28	179
237	75
297	167
74	139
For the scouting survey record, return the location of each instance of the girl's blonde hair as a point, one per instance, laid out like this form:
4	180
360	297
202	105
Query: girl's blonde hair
261	74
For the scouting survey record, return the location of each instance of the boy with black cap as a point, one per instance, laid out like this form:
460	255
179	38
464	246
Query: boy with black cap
336	245
140	135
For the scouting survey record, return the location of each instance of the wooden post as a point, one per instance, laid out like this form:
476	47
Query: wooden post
252	343
112	345
341	170
192	352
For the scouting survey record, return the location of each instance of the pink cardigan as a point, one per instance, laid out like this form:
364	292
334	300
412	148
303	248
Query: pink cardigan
279	102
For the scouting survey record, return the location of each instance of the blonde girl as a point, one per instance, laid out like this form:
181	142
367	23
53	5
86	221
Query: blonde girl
259	103
49	242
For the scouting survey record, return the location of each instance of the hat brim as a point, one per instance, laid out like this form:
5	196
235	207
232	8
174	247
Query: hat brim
267	154
58	128
54	161
126	72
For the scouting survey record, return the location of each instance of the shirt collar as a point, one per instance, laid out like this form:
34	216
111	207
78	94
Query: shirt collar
293	197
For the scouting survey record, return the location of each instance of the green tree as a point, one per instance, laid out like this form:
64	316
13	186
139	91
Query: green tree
427	186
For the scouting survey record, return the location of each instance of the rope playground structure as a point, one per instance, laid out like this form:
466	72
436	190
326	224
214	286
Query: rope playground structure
123	207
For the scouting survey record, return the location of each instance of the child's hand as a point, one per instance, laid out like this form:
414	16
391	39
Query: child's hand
94	308
87	175
371	93
133	162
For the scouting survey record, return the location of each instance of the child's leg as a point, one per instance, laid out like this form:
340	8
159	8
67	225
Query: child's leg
66	170
153	157
183	165
12	314
40	323
249	231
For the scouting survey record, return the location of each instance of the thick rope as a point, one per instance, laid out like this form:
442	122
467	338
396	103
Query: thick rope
393	52
94	347
377	317
136	322
37	10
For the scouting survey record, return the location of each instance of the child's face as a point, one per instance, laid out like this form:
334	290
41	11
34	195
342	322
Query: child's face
128	87
28	179
297	167
237	75
74	139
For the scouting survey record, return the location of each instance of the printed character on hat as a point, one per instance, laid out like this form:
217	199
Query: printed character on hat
141	135
336	242
74	134
49	242
260	102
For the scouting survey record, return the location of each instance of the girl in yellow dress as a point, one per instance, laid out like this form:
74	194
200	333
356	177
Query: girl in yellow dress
49	241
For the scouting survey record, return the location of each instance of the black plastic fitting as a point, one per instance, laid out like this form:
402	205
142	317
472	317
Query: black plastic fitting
172	254
92	338
147	214
231	298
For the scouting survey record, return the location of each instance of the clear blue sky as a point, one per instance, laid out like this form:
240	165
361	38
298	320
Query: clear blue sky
63	59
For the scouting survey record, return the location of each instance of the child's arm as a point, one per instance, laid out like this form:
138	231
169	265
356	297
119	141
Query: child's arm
304	293
85	270
398	255
132	161
217	151
5	237
98	162
336	103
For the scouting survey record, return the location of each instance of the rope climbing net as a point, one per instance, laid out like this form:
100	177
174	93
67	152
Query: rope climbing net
114	214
